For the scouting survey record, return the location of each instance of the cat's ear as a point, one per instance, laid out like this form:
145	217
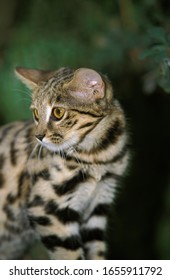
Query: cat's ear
31	77
86	85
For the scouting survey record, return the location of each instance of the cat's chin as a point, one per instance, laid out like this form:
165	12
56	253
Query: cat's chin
57	148
52	147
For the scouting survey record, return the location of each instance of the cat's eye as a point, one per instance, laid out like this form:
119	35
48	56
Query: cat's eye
58	113
36	115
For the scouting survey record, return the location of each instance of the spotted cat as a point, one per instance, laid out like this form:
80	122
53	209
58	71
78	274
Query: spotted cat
58	174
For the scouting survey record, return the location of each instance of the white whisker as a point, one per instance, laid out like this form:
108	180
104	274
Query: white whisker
33	151
39	152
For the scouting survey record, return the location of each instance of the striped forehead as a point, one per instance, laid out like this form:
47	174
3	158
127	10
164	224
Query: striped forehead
50	87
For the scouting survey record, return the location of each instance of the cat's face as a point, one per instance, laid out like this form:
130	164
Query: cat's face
61	128
66	105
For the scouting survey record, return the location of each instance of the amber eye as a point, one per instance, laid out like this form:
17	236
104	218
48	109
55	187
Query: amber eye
36	115
58	113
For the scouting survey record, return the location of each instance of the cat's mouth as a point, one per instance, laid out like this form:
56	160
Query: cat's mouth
58	147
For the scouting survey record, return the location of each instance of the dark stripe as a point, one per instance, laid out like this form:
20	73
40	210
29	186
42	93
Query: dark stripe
71	123
85	133
71	166
65	215
11	198
110	175
121	154
40	220
2	180
4	131
87	113
29	138
52	241
13	150
37	201
111	136
86	125
2	161
92	234
68	215
101	209
116	158
21	181
69	185
9	212
42	174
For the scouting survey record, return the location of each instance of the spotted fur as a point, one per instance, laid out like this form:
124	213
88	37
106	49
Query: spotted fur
58	176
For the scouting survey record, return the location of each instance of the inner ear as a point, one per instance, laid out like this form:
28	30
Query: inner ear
87	85
31	77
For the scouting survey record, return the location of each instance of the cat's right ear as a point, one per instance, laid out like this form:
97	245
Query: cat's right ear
32	77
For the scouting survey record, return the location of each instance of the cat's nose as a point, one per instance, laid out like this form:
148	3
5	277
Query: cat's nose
40	136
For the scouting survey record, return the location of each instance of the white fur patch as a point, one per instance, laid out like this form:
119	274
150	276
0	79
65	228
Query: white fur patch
48	113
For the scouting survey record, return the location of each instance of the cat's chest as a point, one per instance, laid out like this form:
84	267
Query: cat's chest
66	182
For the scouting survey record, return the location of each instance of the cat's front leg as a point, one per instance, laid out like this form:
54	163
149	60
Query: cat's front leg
93	234
93	229
58	230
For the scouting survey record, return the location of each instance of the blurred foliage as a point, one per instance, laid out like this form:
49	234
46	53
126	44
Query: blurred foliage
129	41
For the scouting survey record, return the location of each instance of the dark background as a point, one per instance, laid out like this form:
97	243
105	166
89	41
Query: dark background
129	41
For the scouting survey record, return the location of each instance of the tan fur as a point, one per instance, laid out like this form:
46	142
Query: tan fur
58	174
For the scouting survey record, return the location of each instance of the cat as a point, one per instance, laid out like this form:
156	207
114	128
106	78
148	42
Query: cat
58	173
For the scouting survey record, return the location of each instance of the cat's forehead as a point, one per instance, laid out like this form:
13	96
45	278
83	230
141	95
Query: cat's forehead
61	75
51	90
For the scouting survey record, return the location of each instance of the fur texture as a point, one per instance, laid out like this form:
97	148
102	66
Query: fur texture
58	175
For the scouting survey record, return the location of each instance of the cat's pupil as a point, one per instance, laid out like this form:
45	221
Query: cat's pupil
58	113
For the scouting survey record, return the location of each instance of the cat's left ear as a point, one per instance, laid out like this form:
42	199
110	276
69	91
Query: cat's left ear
86	86
31	77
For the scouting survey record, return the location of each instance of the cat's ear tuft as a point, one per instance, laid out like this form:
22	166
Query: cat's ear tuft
31	77
86	85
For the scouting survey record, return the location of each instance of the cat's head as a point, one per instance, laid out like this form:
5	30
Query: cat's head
66	104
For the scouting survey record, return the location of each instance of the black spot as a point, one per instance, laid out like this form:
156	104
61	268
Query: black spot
110	175
69	185
44	174
2	180
13	152
51	208
37	201
68	215
40	220
101	209
11	198
92	234
52	241
65	215
21	180
9	213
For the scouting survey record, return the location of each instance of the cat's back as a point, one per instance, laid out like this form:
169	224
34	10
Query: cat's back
16	140
15	148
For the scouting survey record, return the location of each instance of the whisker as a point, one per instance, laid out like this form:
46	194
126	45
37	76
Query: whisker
33	151
39	152
72	149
